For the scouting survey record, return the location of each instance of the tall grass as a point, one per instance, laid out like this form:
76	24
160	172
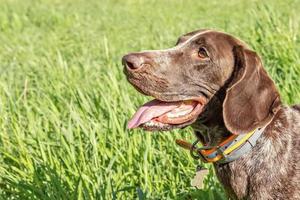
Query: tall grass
64	102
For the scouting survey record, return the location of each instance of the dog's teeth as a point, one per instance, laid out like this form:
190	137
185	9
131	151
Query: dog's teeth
153	124
178	113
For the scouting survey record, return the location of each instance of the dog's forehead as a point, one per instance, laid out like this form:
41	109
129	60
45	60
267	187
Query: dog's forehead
194	34
210	37
205	36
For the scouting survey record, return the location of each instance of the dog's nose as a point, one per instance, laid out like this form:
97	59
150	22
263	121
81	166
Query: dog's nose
133	61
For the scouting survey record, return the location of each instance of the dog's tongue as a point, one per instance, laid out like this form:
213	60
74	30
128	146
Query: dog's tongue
151	110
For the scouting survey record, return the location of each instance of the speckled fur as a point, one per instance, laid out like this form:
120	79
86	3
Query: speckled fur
272	169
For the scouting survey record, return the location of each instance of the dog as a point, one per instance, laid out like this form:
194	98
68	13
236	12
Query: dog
217	84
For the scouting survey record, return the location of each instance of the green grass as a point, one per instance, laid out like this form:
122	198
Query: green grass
64	101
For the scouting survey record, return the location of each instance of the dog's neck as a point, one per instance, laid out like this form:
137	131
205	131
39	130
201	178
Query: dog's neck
210	127
210	136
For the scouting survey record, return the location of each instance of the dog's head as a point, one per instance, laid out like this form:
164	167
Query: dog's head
184	80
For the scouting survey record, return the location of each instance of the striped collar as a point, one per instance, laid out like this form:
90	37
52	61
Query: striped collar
227	151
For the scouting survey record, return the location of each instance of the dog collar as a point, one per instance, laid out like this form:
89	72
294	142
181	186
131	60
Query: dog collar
227	151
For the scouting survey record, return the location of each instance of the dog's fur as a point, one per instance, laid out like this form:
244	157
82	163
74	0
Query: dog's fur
241	97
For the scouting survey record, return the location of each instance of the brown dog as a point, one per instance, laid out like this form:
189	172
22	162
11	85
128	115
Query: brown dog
215	83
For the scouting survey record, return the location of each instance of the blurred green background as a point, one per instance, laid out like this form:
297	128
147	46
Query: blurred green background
64	101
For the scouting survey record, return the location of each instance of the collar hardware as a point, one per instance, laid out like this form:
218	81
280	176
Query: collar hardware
197	152
194	151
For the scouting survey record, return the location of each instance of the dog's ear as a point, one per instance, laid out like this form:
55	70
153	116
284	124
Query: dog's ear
251	98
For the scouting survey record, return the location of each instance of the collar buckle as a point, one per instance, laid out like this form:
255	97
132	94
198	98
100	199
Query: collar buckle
196	152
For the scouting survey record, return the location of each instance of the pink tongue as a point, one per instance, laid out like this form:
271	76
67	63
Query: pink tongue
151	110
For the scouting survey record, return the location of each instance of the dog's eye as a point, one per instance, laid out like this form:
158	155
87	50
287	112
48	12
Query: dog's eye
202	53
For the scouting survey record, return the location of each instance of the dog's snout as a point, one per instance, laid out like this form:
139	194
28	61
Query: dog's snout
133	62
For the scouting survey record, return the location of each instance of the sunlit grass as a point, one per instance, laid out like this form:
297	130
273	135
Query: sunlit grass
64	101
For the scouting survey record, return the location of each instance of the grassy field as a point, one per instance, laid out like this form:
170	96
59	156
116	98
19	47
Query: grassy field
64	101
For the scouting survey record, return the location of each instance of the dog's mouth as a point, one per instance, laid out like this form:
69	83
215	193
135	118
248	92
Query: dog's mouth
161	115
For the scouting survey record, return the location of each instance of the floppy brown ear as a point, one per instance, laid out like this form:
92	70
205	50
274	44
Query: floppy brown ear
251	99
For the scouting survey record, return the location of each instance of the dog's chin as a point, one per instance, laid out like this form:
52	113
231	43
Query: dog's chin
158	126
